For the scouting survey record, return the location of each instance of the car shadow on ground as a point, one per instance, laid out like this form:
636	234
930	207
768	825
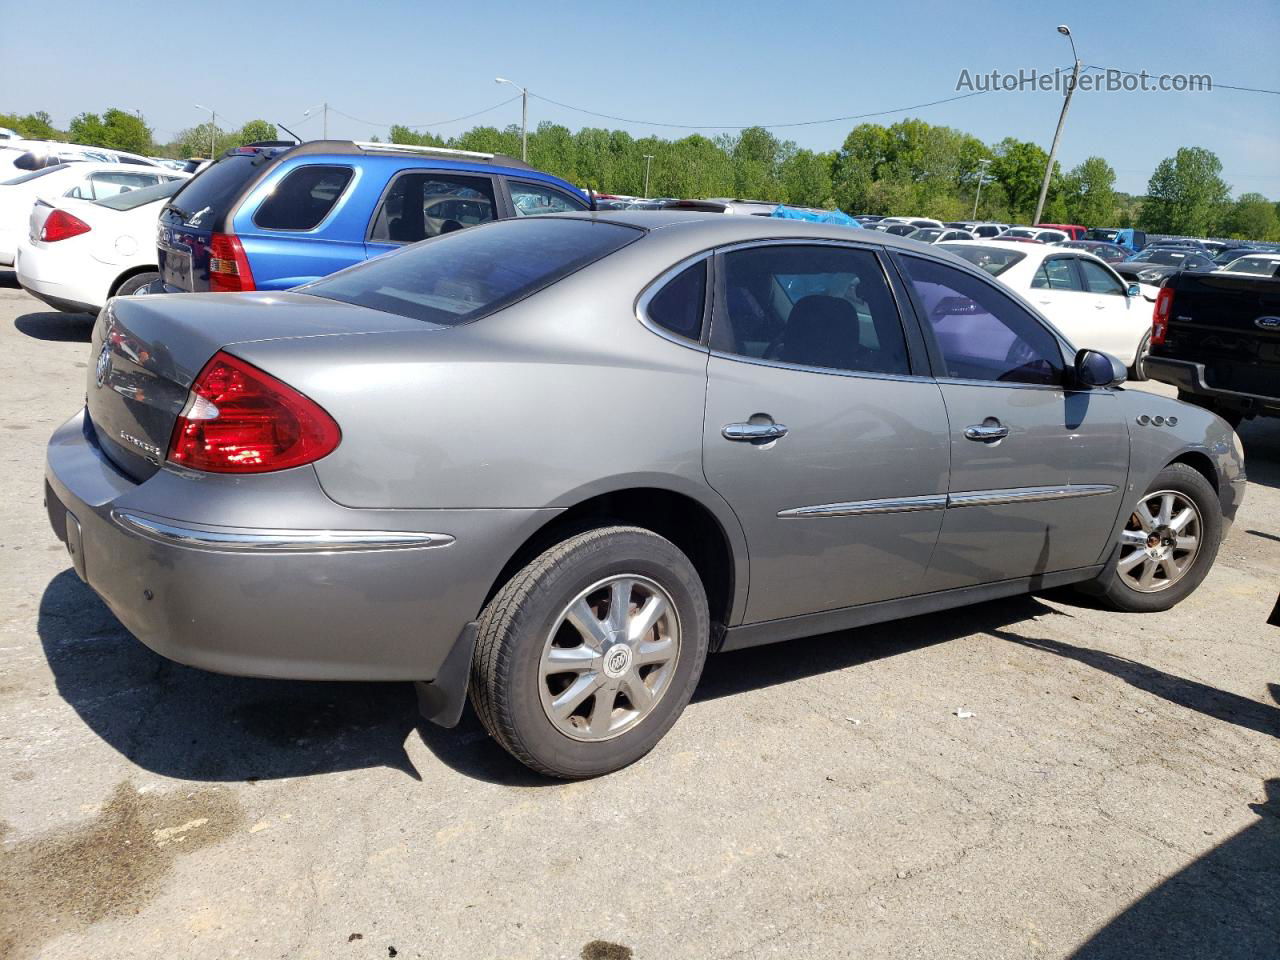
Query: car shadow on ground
1225	905
9	279
56	326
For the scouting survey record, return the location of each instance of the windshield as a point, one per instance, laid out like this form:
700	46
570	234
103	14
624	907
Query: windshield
468	274
34	174
994	260
1098	233
132	199
1261	265
926	234
1028	234
1165	257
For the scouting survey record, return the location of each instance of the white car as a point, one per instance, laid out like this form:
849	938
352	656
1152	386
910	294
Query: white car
86	181
1079	294
80	253
940	234
22	156
1258	264
1039	234
918	222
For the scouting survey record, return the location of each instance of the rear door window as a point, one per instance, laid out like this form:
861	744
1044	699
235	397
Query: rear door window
303	198
532	199
422	204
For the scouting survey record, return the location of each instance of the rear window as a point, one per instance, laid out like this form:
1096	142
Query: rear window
1098	233
34	174
132	199
209	193
994	260
467	274
303	198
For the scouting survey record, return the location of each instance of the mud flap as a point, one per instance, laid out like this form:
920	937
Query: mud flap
441	700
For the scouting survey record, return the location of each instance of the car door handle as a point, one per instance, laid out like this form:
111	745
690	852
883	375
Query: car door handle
753	432
986	432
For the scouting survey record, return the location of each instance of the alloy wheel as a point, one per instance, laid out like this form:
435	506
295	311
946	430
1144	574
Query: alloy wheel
1160	542
609	658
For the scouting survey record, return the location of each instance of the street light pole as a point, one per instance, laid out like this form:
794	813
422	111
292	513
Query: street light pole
213	127
524	116
1062	119
648	159
982	176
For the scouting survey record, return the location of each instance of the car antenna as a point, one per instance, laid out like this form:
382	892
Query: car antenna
289	132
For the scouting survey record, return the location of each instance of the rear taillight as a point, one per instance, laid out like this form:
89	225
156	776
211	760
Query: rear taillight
239	419
62	225
228	266
1160	317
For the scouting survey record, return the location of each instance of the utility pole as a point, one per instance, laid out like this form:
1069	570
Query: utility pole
325	105
648	159
213	128
1062	118
982	176
524	116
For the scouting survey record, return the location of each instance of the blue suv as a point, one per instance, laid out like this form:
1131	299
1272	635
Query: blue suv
272	216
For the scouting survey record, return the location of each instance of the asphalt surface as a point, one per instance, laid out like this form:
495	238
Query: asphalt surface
1115	793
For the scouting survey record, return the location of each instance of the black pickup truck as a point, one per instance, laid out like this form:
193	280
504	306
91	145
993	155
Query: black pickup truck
1216	337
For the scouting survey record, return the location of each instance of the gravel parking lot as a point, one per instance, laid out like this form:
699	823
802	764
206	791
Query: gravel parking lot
1115	793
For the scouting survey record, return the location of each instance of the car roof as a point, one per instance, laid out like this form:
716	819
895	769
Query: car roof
1034	252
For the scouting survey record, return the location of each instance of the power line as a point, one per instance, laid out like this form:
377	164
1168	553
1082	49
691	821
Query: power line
771	126
427	123
1212	83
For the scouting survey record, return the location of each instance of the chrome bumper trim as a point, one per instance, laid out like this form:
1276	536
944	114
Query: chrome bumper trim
277	541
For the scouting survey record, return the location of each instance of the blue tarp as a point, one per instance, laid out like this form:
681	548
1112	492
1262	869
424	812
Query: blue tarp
782	211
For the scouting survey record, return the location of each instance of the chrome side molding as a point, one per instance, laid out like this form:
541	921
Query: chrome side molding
1066	491
860	508
939	501
277	541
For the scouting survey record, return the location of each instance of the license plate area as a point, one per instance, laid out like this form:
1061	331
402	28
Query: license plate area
177	271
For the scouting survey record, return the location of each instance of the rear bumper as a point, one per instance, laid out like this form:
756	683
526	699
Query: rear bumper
322	592
1188	377
35	266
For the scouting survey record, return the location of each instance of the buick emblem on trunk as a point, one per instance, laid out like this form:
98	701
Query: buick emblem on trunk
103	366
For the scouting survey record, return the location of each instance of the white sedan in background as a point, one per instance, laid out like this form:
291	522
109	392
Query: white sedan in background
79	253
1259	264
86	181
1082	296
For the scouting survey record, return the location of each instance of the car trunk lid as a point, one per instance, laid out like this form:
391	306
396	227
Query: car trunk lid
146	351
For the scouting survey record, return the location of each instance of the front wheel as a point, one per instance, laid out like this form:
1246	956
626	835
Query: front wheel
1168	543
588	655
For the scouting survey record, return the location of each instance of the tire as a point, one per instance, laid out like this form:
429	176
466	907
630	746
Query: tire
1179	485
514	686
136	283
1138	372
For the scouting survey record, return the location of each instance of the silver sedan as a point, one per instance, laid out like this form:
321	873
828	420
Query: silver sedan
553	462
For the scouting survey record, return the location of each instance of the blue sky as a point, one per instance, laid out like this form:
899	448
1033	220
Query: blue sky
684	62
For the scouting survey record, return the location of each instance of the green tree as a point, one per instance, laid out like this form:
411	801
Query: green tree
1088	192
115	129
806	179
35	126
1253	217
255	131
1186	194
1019	167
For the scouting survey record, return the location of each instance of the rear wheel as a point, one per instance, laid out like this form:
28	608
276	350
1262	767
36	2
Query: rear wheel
136	283
1168	543
588	655
1138	372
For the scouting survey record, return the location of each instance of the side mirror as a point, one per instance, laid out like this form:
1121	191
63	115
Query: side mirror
1093	368
1134	290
